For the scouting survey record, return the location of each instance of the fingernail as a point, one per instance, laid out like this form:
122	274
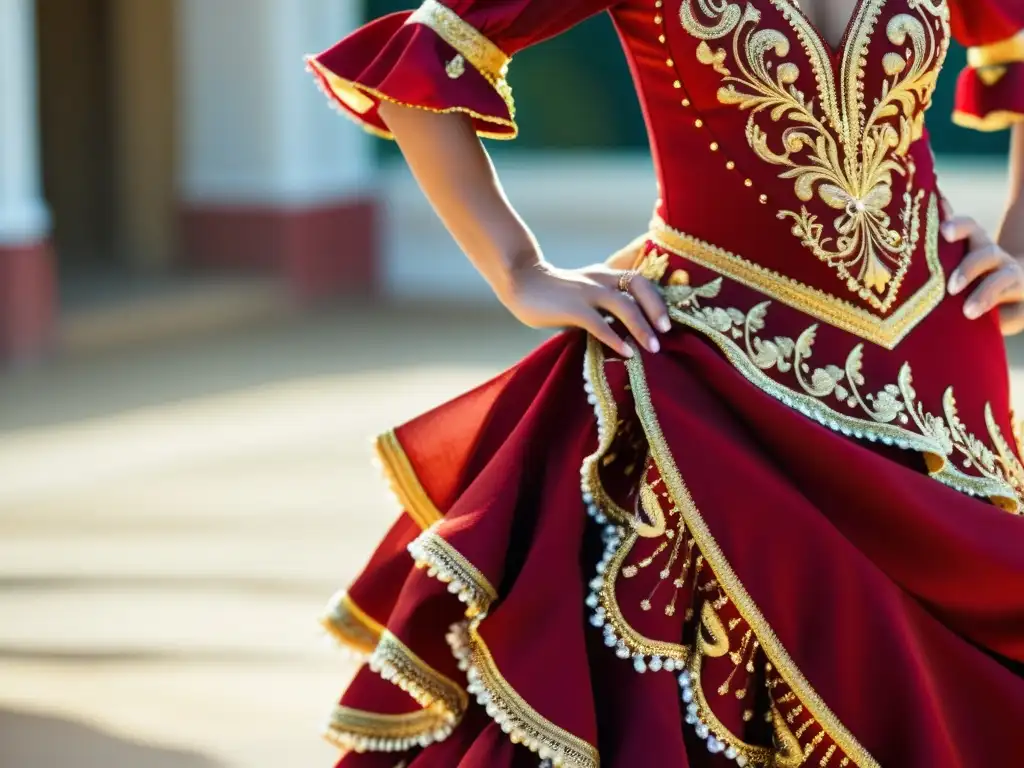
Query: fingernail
627	352
664	325
654	345
956	283
948	231
972	311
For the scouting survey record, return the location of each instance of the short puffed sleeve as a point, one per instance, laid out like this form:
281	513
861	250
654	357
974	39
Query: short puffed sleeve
990	92
445	56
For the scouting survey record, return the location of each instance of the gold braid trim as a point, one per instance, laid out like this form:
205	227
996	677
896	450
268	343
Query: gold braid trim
633	640
1008	51
886	332
356	730
599	393
358	99
484	55
396	663
517	718
404	483
447	565
729	581
351	626
993	121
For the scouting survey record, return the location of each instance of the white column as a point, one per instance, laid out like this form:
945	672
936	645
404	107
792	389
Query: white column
255	130
23	214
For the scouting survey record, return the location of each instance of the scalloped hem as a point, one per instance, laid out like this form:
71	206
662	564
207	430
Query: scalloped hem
355	101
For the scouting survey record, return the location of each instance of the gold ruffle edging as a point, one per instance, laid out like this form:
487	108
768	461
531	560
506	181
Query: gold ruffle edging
523	724
728	579
993	121
353	100
404	482
350	626
356	730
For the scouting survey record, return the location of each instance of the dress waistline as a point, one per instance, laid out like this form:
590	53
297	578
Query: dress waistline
887	331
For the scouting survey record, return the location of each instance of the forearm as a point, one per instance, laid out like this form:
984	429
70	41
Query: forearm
456	174
1011	231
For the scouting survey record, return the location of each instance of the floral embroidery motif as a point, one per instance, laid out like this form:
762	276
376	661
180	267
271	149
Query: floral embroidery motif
455	68
838	149
892	415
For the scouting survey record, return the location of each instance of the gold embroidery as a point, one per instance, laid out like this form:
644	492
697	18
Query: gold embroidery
599	393
360	731
837	150
892	415
727	578
359	99
886	332
404	483
456	68
517	718
396	663
350	625
474	47
445	563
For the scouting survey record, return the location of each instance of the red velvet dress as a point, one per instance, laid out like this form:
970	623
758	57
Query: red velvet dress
790	538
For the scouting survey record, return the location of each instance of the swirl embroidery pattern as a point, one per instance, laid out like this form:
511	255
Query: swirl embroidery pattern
839	148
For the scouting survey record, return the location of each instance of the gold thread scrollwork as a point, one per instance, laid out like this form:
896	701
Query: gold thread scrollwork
892	415
837	150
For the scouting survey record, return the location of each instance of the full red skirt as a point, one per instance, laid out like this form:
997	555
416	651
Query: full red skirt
654	563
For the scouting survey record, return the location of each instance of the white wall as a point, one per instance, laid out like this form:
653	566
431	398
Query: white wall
23	214
254	127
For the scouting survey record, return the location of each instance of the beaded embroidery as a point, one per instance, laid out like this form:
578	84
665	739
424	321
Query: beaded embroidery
839	150
892	415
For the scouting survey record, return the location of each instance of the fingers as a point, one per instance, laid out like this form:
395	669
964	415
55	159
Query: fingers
626	310
985	259
1004	286
592	322
651	302
1011	319
960	228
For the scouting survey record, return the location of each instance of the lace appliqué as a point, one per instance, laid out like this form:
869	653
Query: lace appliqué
838	149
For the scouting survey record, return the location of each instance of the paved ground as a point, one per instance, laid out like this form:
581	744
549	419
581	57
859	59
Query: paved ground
171	521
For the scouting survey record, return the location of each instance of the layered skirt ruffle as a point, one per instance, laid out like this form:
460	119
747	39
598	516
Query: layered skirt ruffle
661	565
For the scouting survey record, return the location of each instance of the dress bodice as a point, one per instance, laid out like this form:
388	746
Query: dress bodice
797	217
821	151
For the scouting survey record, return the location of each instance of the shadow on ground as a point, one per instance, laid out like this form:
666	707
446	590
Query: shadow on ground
40	741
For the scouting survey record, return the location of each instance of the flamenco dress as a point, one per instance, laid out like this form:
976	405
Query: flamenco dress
793	537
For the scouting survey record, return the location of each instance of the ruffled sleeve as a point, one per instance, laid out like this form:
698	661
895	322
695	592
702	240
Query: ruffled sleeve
990	91
443	57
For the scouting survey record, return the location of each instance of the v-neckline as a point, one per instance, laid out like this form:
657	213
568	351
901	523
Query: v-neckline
835	51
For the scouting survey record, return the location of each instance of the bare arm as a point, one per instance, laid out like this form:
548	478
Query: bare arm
456	174
1011	232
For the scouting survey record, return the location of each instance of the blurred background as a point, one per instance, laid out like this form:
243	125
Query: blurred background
213	292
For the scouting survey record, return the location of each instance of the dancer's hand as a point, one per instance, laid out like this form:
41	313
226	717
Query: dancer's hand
1001	274
543	296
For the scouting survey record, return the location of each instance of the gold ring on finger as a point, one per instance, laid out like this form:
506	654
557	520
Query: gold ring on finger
625	279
